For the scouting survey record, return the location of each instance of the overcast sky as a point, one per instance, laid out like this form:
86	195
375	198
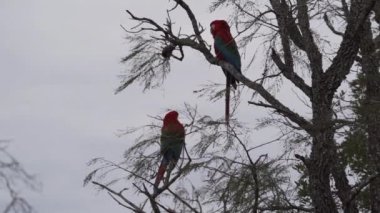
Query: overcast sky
59	64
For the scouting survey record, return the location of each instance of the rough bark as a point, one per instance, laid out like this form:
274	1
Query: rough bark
319	170
376	8
370	68
324	85
322	159
342	184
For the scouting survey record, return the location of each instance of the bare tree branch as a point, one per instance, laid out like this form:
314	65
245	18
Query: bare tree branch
287	22
286	208
330	26
119	195
349	47
359	187
312	51
289	73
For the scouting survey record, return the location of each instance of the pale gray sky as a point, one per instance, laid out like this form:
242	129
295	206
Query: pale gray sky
59	62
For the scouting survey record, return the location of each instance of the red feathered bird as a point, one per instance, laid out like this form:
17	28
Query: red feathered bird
172	142
226	50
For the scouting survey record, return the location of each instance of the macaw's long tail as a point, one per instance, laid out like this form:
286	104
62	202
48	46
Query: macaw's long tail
228	92
160	174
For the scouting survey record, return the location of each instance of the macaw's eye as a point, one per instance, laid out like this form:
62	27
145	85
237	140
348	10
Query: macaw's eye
212	27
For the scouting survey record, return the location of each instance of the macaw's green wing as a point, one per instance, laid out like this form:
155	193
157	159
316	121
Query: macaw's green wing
172	140
228	51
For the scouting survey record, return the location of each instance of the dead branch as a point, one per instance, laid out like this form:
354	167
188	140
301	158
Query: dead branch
119	195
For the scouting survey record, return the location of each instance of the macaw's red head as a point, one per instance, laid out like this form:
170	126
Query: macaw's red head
171	117
218	26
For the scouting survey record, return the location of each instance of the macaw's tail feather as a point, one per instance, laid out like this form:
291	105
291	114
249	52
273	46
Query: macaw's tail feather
228	91
169	171
233	81
160	174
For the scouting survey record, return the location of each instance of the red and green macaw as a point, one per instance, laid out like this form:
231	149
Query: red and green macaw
226	50
172	142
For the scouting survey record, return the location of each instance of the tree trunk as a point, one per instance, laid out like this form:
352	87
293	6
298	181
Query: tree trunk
371	103
319	175
376	8
342	184
320	162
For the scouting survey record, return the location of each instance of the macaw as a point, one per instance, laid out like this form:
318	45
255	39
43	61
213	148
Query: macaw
172	141
226	50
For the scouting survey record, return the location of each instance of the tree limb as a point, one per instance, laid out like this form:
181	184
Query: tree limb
359	187
119	194
330	26
193	20
289	73
183	201
349	47
312	51
286	208
299	120
286	21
